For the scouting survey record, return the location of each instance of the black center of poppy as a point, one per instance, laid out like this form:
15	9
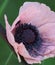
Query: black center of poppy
28	36
25	33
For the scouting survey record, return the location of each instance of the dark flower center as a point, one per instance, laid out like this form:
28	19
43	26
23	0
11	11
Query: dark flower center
29	35
25	33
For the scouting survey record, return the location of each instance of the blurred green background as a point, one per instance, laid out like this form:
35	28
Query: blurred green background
11	8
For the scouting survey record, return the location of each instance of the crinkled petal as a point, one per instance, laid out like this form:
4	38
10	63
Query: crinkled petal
35	13
10	37
47	32
46	51
23	52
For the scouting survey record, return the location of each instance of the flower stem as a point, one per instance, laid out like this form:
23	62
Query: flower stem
8	59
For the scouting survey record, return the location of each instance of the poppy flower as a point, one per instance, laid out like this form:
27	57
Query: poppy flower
32	34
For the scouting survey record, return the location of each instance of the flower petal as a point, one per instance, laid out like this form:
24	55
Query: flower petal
10	37
32	61
23	52
50	52
27	5
47	32
35	13
14	23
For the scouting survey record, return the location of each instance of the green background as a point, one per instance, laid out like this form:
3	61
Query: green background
11	8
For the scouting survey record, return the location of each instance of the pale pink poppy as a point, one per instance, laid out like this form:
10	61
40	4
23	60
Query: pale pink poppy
32	34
